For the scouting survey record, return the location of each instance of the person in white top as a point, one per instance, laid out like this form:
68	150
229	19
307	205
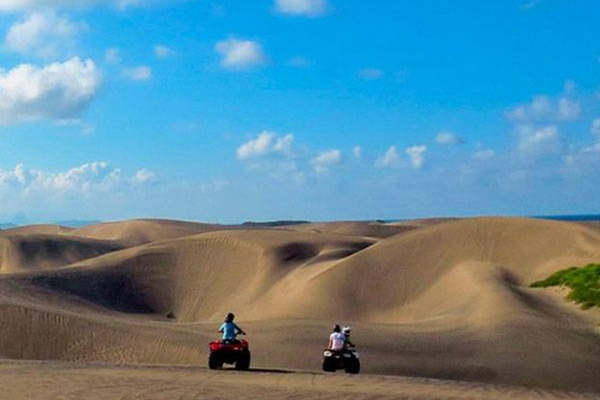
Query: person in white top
336	339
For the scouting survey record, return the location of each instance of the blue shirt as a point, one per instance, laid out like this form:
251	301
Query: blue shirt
229	330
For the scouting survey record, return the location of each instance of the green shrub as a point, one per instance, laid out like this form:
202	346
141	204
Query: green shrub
584	283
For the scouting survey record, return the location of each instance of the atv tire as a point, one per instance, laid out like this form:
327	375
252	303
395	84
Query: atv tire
214	361
243	363
328	364
353	366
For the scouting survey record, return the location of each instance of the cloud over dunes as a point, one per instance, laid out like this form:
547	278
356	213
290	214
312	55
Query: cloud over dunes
310	8
324	161
417	156
59	91
237	54
543	108
543	140
97	176
389	159
448	138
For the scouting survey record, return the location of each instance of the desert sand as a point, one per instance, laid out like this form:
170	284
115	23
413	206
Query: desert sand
440	309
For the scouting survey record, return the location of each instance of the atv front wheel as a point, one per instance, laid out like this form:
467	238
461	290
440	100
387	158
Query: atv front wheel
328	364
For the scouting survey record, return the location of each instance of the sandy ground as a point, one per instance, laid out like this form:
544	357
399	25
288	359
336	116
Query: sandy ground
62	381
434	305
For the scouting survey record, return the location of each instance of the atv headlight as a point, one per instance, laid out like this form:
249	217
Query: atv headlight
327	353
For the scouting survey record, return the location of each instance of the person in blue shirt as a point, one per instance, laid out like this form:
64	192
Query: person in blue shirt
229	329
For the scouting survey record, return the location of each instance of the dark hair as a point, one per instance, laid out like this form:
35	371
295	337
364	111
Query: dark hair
229	317
336	328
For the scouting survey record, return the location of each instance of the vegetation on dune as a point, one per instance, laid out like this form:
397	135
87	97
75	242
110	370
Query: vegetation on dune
584	283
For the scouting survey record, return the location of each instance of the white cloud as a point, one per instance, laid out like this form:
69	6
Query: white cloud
283	144
141	73
144	176
266	142
240	54
25	5
530	4
370	74
357	151
112	56
542	109
43	34
97	177
325	160
448	138
57	91
542	140
568	109
87	177
162	51
389	159
310	8
417	156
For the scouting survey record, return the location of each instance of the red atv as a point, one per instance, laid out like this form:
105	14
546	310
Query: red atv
233	351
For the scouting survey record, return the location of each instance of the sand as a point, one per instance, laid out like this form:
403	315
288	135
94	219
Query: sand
440	309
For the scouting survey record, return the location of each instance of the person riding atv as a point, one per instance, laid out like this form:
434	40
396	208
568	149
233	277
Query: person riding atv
229	329
340	352
347	342
229	350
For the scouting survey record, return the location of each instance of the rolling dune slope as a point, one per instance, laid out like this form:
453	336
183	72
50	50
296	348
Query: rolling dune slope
40	252
377	230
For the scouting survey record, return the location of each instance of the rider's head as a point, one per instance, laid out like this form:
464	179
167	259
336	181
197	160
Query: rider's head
336	328
229	317
346	330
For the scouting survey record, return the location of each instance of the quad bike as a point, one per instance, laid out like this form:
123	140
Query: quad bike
233	351
346	359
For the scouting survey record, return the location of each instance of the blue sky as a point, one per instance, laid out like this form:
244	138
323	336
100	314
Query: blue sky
230	110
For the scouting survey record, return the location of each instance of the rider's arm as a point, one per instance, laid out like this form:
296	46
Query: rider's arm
240	330
221	328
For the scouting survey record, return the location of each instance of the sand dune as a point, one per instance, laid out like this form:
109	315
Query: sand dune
142	231
355	228
447	300
25	252
42	229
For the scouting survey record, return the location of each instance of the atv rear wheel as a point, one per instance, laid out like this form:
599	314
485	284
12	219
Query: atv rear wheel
243	363
352	366
214	361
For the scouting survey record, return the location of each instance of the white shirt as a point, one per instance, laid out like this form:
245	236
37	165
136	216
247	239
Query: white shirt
337	340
